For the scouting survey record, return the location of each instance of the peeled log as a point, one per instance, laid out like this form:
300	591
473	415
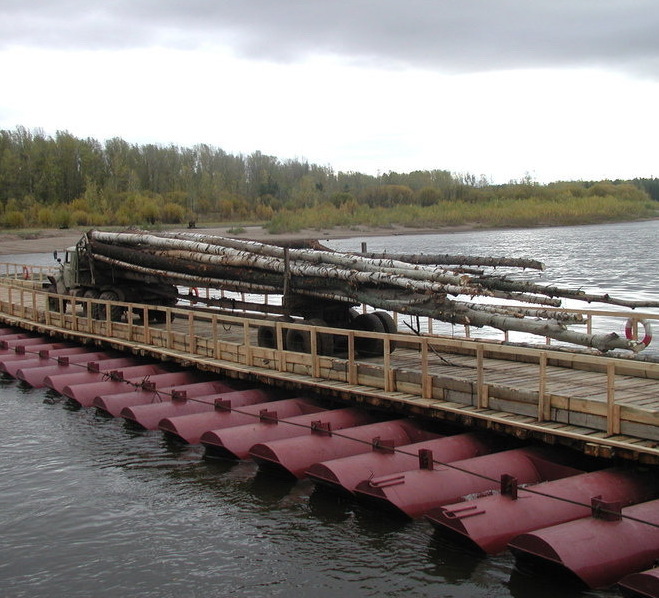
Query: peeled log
501	284
555	330
458	260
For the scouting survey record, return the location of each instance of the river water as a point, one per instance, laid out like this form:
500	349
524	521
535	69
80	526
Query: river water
89	507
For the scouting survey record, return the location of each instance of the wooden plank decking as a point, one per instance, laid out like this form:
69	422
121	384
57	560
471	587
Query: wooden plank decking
605	406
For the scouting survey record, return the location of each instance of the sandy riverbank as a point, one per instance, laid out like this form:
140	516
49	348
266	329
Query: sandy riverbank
47	240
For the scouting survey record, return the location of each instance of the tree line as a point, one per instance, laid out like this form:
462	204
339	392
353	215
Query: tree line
63	180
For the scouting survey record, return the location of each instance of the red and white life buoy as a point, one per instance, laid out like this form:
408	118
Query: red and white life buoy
194	294
631	333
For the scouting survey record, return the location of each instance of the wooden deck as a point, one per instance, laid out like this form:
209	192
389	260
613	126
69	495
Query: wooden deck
602	405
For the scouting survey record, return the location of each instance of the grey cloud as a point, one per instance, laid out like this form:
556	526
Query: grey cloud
448	35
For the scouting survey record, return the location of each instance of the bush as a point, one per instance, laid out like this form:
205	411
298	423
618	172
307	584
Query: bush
14	219
81	218
149	212
45	217
62	217
173	213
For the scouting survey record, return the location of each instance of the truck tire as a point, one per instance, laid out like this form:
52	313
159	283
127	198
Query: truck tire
53	302
89	294
369	347
159	317
116	311
266	334
300	340
389	326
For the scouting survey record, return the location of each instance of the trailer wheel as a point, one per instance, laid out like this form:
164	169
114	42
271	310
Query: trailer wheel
116	311
389	326
266	334
369	347
300	340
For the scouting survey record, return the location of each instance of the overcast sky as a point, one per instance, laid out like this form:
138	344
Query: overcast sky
557	89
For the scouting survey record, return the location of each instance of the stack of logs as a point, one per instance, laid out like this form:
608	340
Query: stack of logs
439	286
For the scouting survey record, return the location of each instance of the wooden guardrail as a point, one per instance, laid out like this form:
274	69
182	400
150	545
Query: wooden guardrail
28	274
419	370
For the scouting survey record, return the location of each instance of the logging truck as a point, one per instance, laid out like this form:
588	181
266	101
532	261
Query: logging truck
96	269
317	286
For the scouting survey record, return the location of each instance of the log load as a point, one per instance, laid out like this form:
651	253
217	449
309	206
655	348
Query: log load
316	281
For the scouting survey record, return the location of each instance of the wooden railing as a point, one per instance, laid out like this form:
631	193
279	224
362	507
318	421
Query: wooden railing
592	320
418	370
24	273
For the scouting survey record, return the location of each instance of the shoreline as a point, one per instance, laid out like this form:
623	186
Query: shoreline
48	240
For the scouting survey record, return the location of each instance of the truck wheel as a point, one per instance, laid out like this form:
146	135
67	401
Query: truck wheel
89	294
266	334
389	326
159	317
369	347
300	340
53	302
116	311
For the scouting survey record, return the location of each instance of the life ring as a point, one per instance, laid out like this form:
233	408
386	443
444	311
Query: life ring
194	293
629	331
26	273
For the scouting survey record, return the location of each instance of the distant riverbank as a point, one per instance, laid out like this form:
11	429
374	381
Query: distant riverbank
49	239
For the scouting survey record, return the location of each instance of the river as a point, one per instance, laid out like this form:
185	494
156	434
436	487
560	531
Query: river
89	507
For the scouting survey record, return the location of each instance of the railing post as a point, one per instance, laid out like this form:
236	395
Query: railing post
147	326
279	345
47	309
23	308
315	362
544	408
168	327
216	342
249	358
74	316
612	410
352	364
480	375
108	316
388	381
129	322
426	382
191	331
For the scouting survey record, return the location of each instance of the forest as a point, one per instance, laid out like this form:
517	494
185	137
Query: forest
63	181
